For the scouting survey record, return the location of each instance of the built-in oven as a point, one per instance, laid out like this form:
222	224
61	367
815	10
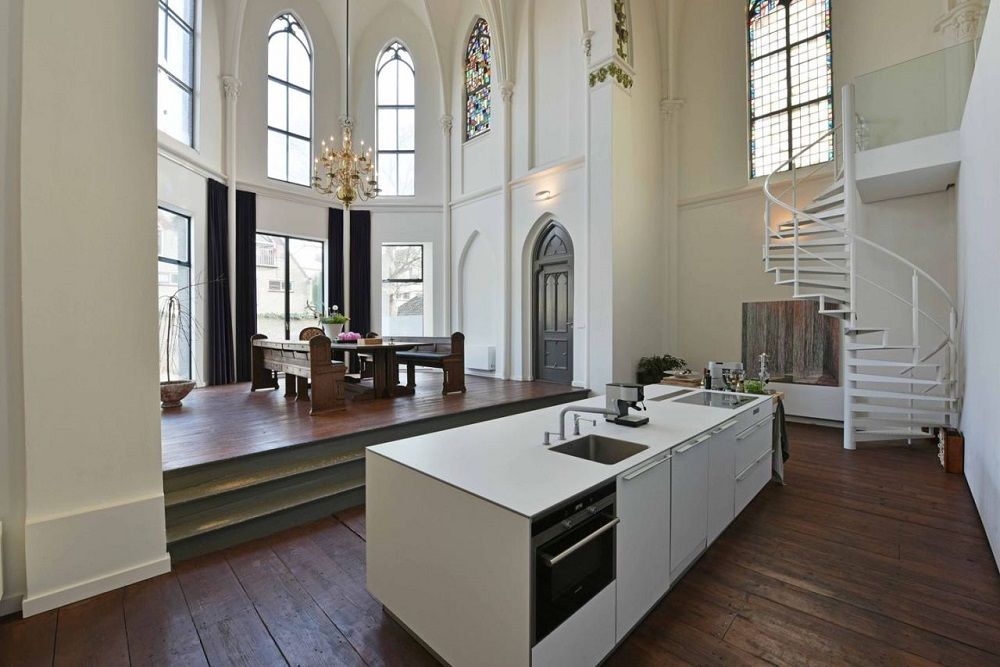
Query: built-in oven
574	557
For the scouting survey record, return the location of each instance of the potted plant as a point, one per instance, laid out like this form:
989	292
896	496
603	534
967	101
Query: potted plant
334	322
172	310
651	369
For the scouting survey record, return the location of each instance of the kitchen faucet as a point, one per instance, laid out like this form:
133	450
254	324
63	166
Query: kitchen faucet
577	408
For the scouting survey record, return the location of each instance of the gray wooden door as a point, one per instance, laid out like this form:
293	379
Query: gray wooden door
553	311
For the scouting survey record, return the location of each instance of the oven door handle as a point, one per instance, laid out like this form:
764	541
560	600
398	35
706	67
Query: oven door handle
552	560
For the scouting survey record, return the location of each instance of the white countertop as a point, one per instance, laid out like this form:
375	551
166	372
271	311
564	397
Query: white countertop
503	460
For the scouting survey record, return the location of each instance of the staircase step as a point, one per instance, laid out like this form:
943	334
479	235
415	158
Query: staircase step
810	243
812	257
889	364
834	188
901	421
826	270
860	331
834	300
811	230
819	204
891	434
829	212
902	396
893	379
937	416
836	312
811	282
861	347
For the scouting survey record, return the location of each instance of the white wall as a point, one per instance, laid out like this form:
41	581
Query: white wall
11	395
94	490
720	212
978	241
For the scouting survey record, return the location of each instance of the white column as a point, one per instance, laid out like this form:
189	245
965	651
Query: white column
668	111
347	123
446	125
231	85
506	96
581	319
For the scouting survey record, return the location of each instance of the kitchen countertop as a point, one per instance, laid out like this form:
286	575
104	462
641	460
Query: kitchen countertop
504	462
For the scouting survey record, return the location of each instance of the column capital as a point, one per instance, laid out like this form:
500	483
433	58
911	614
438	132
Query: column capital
669	107
231	85
507	91
963	17
446	123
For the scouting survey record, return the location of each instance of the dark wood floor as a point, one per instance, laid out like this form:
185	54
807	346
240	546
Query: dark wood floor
871	557
226	422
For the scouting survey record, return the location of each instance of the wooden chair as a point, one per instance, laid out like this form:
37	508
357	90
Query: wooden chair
310	332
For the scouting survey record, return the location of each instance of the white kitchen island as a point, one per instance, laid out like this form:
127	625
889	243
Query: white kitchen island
450	515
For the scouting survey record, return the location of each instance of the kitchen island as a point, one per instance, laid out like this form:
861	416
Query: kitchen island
494	550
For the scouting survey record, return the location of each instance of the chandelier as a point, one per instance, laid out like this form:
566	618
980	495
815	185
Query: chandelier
347	175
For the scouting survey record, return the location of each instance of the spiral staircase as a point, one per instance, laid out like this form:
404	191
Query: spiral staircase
897	385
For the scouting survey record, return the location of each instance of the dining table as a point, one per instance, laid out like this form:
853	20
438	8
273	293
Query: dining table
385	378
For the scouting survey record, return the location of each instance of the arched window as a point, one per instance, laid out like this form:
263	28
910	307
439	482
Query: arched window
289	101
477	81
175	69
396	111
791	82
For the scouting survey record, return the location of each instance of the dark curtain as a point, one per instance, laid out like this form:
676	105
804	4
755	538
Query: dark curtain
335	269
361	271
246	280
219	329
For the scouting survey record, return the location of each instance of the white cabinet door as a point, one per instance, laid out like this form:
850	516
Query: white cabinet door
643	539
688	502
585	638
721	474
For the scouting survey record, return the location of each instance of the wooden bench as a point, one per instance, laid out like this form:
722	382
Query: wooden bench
301	362
448	354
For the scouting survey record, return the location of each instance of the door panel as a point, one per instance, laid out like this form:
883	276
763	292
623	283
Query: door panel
553	318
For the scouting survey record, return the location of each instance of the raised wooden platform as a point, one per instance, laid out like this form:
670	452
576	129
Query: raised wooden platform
240	464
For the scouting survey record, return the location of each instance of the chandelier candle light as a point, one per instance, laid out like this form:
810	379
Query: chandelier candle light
347	175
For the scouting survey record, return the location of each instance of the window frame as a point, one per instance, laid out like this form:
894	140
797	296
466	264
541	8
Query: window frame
788	108
396	45
290	18
192	29
286	279
488	87
422	281
189	264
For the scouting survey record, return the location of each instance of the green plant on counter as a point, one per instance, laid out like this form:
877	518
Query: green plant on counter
651	369
754	387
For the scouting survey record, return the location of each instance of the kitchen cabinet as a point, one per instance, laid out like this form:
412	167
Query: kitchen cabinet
688	502
755	450
643	539
585	638
721	478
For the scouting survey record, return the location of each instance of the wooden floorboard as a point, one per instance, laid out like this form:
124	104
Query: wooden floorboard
229	421
863	558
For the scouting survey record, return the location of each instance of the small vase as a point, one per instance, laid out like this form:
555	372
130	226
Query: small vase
333	330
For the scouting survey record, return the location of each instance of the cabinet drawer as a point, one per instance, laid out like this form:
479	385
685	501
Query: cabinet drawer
752	479
751	442
585	638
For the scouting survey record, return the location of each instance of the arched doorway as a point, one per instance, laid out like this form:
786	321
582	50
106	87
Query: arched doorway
552	327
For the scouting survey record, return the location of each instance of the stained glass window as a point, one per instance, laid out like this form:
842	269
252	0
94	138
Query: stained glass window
791	82
289	101
395	121
477	81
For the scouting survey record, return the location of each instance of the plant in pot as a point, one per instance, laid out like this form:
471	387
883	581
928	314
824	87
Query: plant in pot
173	312
651	369
334	323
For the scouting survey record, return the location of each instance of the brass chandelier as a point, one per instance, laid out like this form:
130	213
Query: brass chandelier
347	175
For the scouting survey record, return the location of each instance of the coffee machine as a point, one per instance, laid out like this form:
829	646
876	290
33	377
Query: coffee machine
620	397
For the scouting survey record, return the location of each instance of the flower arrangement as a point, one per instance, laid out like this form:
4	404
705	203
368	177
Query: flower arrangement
349	337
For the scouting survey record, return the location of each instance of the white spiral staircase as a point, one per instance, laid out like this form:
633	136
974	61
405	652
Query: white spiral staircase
893	389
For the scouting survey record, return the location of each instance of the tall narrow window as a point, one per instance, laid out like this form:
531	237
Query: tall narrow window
791	82
403	289
175	69
289	101
173	235
477	81
396	110
289	284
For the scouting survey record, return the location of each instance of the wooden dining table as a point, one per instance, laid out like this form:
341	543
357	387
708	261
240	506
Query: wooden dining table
385	380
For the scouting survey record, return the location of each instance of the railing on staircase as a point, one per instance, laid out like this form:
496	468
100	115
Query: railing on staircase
816	226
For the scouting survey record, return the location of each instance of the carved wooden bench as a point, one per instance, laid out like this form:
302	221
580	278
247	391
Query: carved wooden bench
447	354
302	362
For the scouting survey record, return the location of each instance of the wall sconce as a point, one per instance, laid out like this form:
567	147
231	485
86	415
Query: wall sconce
543	195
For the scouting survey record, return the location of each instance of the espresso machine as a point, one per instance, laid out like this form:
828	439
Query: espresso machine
620	397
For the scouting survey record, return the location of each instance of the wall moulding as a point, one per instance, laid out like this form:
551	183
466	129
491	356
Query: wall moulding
752	189
616	71
182	159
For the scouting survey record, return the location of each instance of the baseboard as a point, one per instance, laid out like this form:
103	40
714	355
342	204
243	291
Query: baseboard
74	556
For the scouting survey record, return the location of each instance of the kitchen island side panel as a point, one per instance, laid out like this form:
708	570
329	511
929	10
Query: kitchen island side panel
452	567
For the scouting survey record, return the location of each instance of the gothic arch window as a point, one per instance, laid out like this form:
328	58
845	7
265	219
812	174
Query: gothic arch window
175	68
478	74
790	82
395	121
289	101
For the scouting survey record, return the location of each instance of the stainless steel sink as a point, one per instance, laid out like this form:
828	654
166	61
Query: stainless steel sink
599	449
